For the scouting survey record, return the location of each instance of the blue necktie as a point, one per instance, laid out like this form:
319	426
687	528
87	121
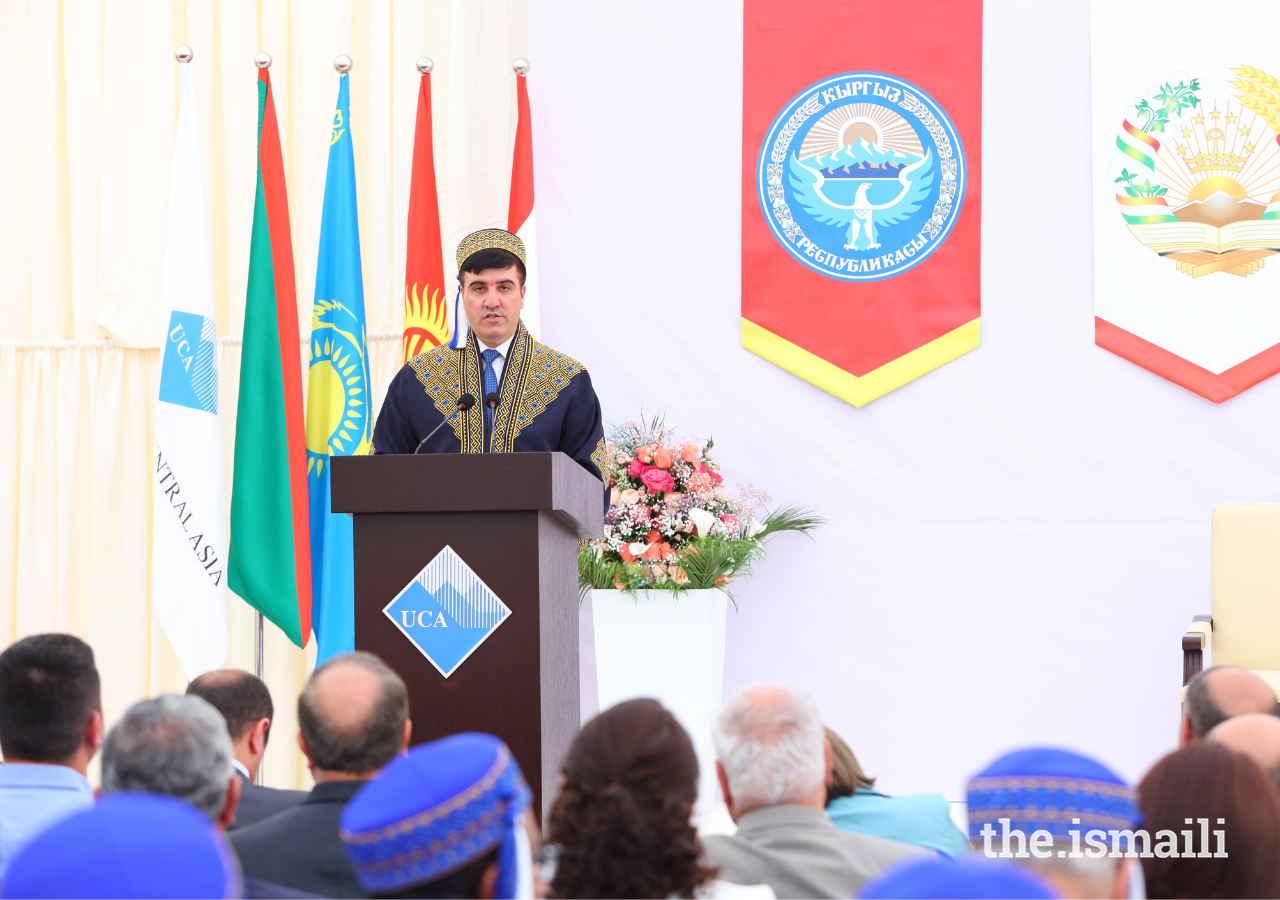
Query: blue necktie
490	381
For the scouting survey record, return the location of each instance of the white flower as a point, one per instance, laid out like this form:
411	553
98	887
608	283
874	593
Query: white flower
638	549
754	528
702	520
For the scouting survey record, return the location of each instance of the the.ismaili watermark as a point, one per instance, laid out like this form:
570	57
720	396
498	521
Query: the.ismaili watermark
1017	844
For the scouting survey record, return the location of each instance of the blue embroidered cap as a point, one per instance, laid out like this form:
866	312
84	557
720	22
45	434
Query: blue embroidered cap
436	809
1046	789
129	845
934	878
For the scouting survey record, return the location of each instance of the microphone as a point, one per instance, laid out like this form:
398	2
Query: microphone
491	402
465	402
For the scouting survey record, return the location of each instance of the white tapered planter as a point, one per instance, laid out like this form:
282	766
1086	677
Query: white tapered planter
670	647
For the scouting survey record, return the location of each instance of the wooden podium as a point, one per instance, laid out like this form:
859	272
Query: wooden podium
515	520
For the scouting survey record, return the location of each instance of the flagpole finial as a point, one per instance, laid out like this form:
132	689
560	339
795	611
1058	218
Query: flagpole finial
262	60
183	54
342	64
425	65
521	66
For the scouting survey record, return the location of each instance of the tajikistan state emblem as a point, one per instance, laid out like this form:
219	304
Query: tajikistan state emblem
1196	178
861	176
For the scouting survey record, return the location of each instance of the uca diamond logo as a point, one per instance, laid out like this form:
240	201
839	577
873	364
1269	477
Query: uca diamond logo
447	611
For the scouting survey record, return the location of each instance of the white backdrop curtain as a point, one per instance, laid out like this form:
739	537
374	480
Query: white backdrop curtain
92	102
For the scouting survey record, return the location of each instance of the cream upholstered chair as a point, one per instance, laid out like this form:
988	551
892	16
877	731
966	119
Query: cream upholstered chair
1244	629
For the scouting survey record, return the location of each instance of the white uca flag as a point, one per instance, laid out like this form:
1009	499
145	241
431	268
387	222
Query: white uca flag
189	551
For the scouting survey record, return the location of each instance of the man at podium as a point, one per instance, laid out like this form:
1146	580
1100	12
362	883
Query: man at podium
494	389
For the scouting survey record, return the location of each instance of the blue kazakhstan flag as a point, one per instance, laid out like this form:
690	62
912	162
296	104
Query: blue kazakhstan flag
337	389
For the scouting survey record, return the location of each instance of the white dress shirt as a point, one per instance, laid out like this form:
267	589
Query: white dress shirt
498	361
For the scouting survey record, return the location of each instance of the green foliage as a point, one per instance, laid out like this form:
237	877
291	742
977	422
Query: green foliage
1145	189
1171	100
710	562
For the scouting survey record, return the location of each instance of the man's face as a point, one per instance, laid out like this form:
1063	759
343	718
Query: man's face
493	300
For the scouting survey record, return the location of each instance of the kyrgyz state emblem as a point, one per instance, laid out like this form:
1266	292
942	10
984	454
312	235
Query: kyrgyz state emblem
1196	178
861	176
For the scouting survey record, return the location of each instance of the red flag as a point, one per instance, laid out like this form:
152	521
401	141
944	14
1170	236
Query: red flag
520	219
426	322
861	187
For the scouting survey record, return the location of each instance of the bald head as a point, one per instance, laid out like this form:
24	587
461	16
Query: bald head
240	696
1257	736
352	714
1224	692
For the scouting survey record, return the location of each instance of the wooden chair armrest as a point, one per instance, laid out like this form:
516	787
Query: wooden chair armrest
1194	641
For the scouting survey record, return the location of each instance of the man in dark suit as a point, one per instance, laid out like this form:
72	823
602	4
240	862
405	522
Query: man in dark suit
353	718
245	703
178	745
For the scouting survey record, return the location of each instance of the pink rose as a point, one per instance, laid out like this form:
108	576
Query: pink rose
636	469
734	525
658	480
662	458
639	514
629	496
716	477
645	454
622	459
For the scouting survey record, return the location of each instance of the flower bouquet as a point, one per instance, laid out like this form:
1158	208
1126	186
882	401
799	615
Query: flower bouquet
672	524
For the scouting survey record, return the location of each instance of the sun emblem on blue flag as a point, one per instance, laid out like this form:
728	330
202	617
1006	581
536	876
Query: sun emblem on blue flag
447	611
861	176
339	386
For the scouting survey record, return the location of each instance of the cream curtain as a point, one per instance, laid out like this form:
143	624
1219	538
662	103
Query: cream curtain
92	108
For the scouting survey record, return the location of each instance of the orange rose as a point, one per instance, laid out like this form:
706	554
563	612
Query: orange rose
689	453
645	454
654	537
666	549
699	483
654	553
662	458
723	580
678	575
625	552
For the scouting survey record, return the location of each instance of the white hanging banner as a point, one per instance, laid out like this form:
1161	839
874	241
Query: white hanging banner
189	545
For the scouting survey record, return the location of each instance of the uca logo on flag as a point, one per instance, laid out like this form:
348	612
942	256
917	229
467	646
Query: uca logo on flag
189	372
447	611
861	176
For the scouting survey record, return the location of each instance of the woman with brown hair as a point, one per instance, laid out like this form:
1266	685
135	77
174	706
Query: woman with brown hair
622	816
1200	783
854	804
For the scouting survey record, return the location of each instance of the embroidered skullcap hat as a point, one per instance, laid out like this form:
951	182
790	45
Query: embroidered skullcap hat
1046	789
934	878
488	238
436	809
128	845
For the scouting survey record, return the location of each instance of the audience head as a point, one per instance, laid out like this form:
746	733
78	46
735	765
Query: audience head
1054	792
176	745
1257	736
940	878
1220	693
444	820
353	717
771	750
245	703
129	845
1208	781
622	815
50	701
846	775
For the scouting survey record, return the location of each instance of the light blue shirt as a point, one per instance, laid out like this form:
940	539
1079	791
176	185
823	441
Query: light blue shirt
921	819
34	797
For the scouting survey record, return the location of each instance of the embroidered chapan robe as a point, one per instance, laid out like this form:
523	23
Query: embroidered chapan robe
547	403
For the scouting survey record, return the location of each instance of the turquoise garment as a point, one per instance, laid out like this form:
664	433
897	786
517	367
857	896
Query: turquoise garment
921	819
34	797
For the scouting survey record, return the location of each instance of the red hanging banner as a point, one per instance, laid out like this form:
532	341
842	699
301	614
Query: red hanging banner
861	196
